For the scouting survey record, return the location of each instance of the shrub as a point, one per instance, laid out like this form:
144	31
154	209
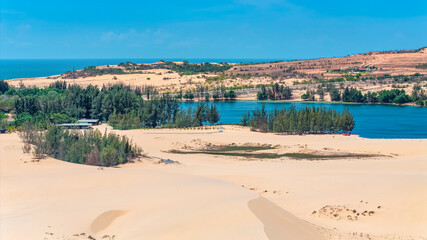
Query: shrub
88	147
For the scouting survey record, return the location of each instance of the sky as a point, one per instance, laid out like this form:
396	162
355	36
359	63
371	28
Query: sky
251	29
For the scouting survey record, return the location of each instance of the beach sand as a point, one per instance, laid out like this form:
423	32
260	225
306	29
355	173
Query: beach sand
220	197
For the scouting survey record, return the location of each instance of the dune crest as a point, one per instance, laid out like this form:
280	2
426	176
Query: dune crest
280	224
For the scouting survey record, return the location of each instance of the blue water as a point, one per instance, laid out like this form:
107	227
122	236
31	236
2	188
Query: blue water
372	121
25	68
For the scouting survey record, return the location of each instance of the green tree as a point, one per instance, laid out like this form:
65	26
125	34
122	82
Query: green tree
108	156
213	115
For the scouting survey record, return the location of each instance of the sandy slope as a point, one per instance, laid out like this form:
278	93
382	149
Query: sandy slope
396	182
218	197
156	77
52	199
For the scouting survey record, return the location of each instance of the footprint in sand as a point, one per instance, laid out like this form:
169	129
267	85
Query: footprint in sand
105	219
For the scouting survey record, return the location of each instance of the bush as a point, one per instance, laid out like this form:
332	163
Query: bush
4	87
419	102
212	115
108	156
88	147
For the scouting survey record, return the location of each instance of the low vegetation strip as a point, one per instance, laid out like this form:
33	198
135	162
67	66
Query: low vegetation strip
301	156
313	156
185	68
230	148
234	154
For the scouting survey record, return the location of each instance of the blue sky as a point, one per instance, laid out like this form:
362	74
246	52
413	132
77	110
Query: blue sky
270	29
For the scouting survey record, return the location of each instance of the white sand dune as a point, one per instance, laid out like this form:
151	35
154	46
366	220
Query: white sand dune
62	199
218	197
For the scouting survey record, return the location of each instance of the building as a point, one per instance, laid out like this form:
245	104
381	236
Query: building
92	122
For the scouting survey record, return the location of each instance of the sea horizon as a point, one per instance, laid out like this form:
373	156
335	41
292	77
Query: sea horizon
29	68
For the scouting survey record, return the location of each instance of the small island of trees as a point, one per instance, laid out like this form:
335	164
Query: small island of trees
299	121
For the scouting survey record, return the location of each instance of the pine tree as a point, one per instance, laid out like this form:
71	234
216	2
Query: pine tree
213	116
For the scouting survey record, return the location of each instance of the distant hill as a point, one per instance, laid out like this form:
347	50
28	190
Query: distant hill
402	62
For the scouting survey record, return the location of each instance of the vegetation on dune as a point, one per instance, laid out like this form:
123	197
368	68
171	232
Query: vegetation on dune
240	151
246	148
311	156
91	71
298	121
359	77
185	68
3	120
422	66
84	147
194	68
234	154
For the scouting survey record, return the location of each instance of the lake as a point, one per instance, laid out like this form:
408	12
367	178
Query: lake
372	121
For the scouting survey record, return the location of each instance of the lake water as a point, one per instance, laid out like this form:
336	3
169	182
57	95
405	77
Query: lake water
372	121
26	68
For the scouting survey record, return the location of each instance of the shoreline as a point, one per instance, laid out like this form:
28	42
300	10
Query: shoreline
299	101
240	126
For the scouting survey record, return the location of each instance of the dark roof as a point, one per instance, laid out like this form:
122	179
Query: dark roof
75	125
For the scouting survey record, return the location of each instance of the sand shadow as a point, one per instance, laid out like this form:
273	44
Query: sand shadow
280	224
105	219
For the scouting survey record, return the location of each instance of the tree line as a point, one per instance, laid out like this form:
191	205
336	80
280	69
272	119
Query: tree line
298	121
276	92
158	114
397	96
221	94
53	105
185	68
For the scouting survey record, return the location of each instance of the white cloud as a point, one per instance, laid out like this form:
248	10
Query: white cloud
133	37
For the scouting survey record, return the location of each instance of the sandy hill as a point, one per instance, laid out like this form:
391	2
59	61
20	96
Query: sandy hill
173	79
389	62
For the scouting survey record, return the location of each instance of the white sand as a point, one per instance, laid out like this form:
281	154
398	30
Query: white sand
217	197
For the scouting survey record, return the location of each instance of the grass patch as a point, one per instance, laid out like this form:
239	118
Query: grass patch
231	148
309	156
422	66
234	154
302	156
